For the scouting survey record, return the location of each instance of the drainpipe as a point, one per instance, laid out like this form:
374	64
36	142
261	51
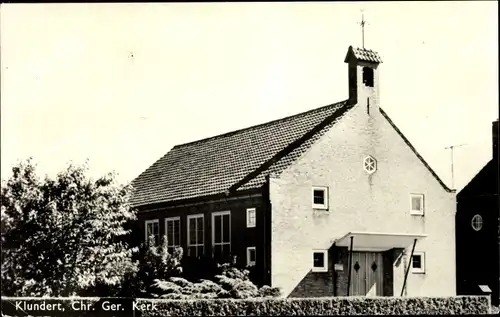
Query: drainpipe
350	268
409	266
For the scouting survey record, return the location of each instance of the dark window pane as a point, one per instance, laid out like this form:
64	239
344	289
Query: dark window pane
226	250
217	229
319	259
192	251
217	253
252	255
177	230
226	232
169	238
199	223
201	250
417	261
192	231
319	197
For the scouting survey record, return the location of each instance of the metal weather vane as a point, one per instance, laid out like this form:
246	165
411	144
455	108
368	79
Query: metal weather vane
362	23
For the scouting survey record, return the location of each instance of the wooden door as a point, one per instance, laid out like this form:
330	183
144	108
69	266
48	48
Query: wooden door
367	274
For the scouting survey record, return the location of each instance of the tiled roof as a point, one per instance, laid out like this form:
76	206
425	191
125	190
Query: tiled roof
235	160
288	159
363	54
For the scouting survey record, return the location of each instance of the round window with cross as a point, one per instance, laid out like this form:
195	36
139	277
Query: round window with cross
370	165
477	222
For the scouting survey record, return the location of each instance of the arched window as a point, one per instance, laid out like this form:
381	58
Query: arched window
368	76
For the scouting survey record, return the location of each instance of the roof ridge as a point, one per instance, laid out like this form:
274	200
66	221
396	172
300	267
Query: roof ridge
259	125
338	113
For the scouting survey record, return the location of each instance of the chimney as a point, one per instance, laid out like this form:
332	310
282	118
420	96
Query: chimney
495	140
363	78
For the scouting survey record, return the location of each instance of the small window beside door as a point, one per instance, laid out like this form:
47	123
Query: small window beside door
418	262
320	197
320	261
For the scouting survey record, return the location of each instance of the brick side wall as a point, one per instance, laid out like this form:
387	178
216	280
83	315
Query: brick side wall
241	236
317	284
342	277
379	202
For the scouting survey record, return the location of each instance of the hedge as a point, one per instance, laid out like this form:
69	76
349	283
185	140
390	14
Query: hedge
458	305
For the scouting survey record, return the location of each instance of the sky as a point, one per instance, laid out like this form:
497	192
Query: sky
121	84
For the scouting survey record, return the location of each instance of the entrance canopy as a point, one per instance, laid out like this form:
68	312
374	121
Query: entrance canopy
377	241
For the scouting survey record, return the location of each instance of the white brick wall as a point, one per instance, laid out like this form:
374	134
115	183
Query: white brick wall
361	202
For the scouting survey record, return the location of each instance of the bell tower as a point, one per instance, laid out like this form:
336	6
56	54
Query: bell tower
363	69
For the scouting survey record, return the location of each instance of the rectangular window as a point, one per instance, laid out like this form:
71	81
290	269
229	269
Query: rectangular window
221	234
320	197
251	218
173	232
251	256
417	204
418	262
196	240
320	261
152	229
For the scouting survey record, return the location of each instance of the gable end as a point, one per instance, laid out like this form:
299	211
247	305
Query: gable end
416	153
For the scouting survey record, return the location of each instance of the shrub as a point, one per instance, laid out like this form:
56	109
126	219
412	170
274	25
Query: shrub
321	306
156	264
459	305
231	283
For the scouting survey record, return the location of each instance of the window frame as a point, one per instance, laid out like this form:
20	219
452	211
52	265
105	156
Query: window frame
249	224
179	233
196	245
422	204
323	206
324	268
375	164
249	262
220	213
420	270
146	223
477	216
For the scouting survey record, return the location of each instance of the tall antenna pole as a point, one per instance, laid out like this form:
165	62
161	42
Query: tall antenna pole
363	29
451	148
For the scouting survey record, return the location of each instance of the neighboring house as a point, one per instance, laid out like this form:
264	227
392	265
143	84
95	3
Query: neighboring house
292	196
478	231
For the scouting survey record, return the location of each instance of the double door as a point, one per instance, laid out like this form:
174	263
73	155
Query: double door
366	274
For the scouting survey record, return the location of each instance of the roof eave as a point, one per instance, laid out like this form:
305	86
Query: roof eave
196	200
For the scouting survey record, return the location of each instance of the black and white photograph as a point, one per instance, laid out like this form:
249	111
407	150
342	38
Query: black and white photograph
249	158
